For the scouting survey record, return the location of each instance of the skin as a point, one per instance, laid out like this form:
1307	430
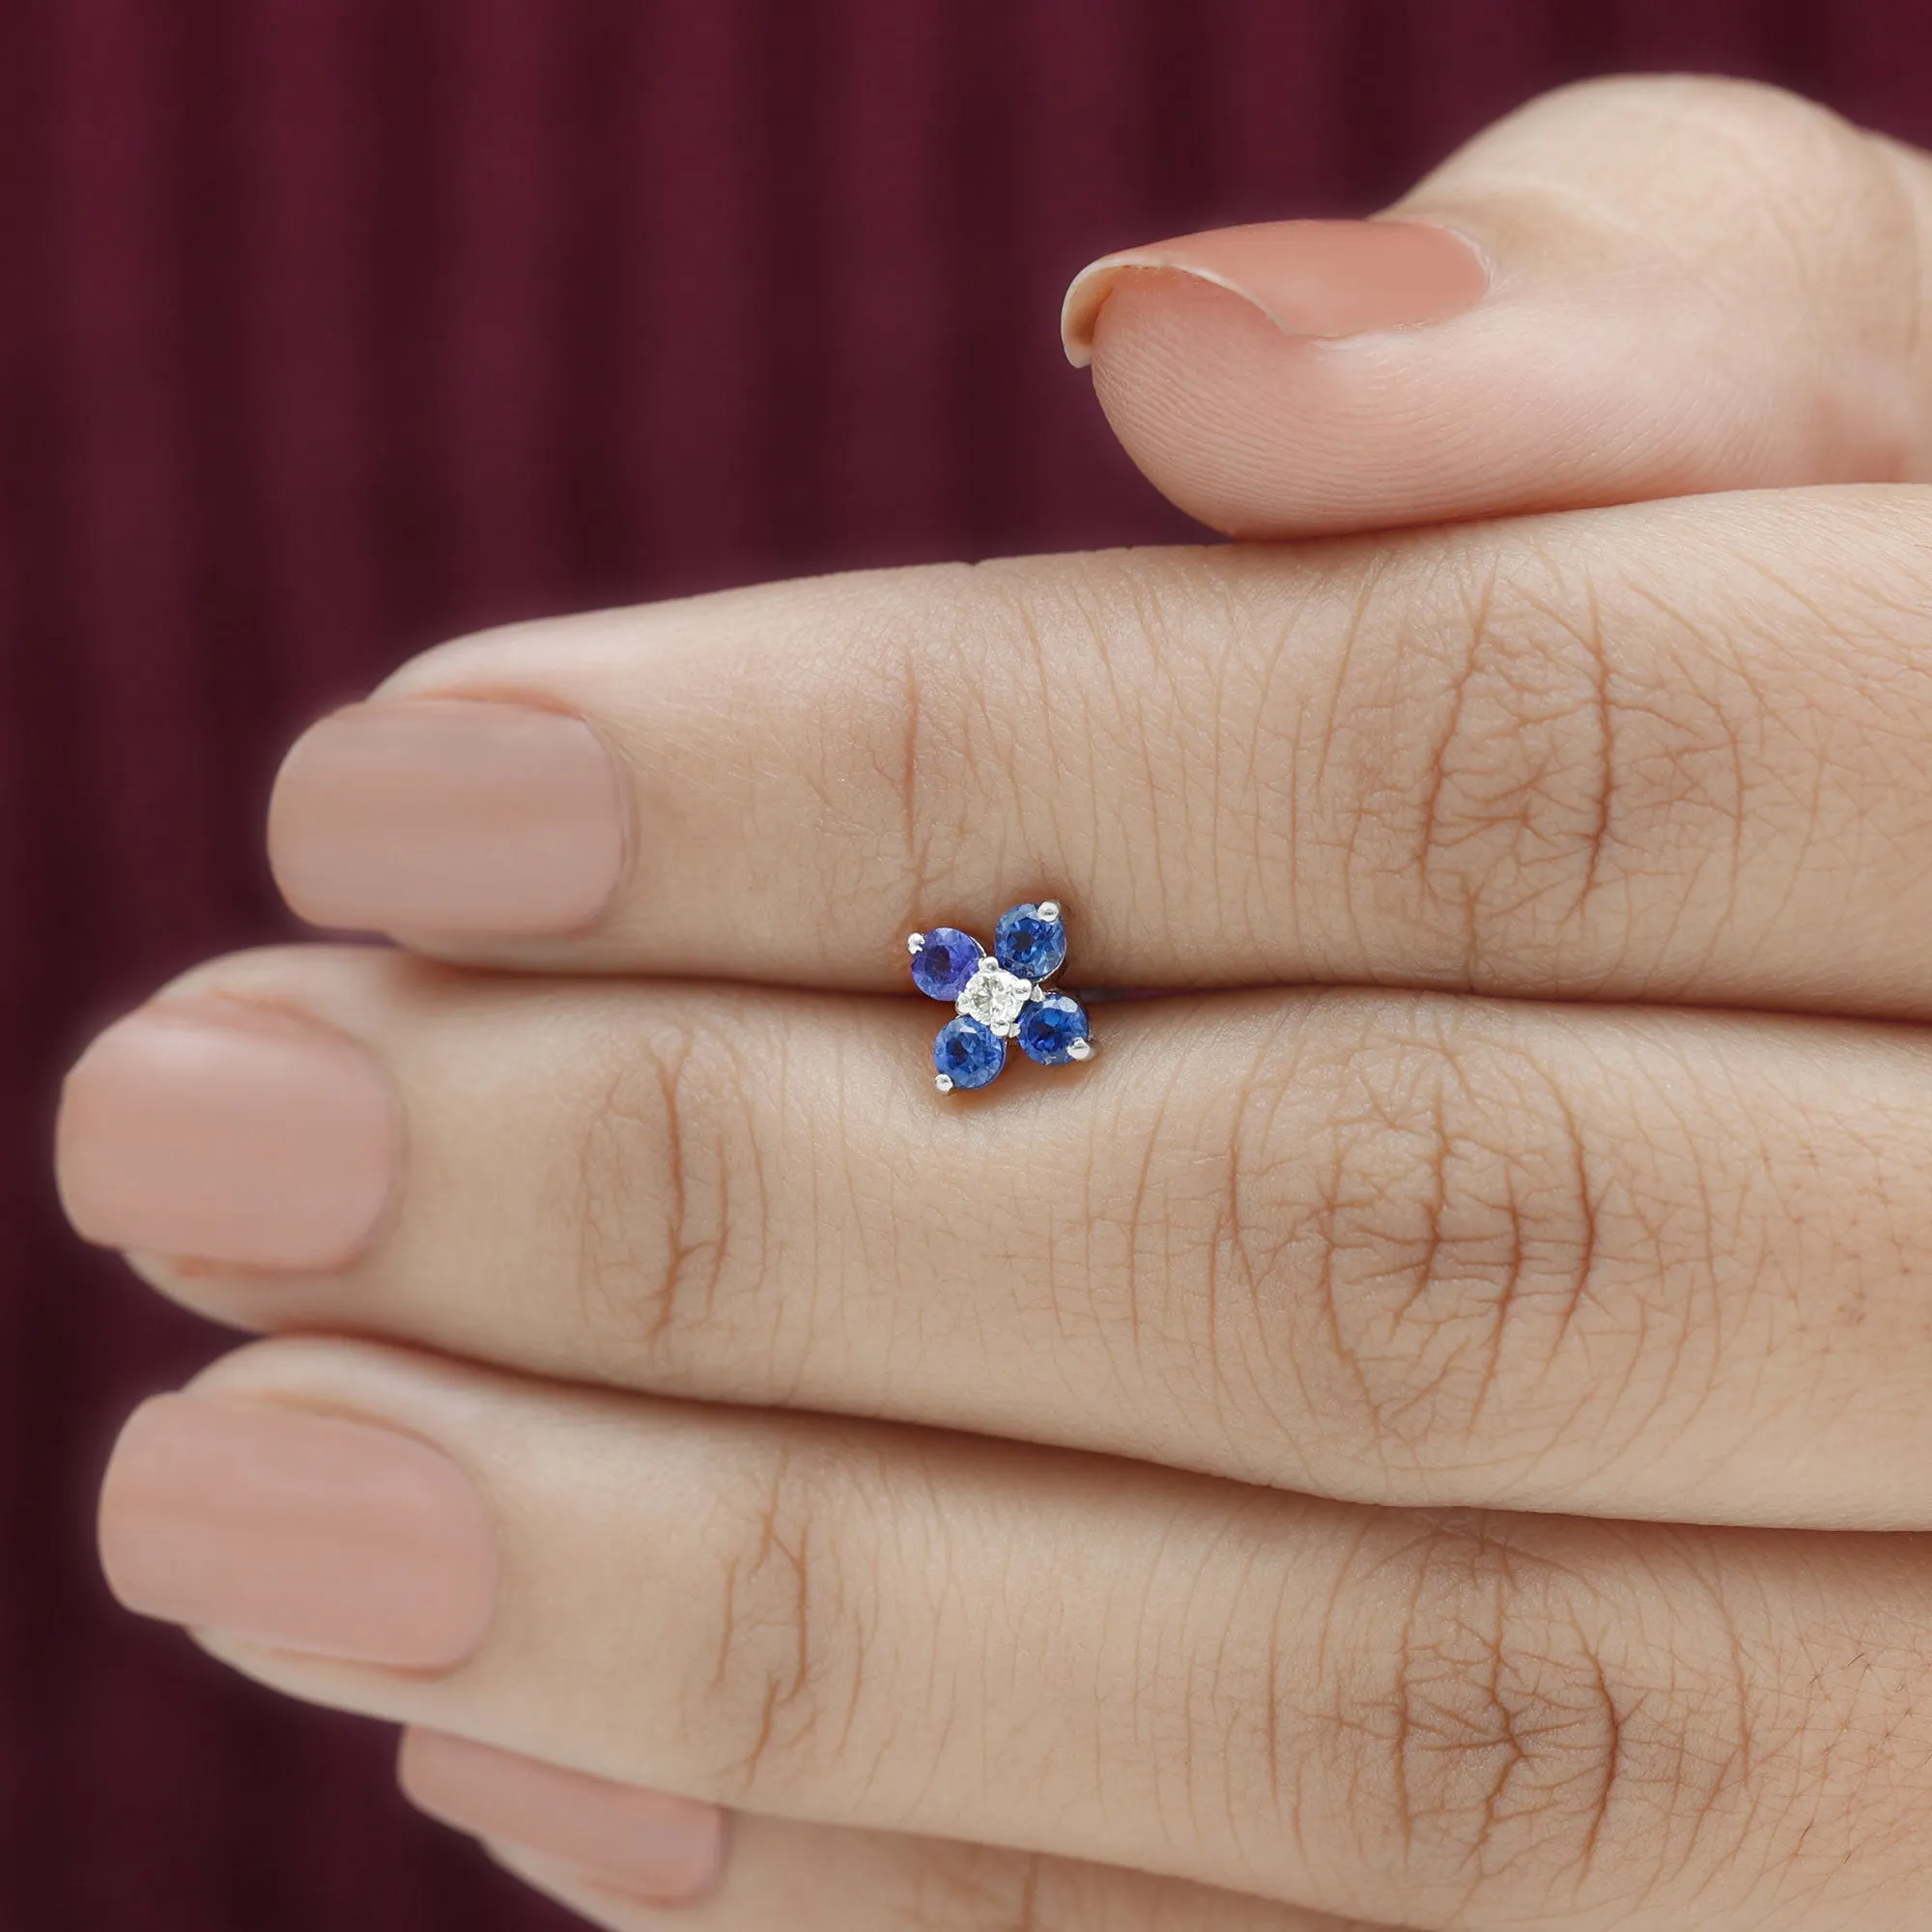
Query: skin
1459	1456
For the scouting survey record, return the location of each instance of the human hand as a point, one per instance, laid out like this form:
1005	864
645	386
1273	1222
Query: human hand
1359	1446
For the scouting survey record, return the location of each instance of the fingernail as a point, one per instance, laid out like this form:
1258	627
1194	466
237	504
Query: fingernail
1326	279
207	1129
434	815
655	1847
308	1532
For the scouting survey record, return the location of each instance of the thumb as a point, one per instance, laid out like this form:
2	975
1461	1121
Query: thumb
1627	289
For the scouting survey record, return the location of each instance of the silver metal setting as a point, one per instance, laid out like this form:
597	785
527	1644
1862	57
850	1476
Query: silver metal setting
1080	1049
914	941
1048	909
943	1082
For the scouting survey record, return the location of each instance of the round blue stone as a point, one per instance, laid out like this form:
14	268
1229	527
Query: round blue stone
1028	945
1049	1027
967	1052
943	963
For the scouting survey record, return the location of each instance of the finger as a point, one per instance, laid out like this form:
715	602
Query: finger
1465	1720
603	1849
1631	289
802	1878
1668	752
1393	1248
647	1847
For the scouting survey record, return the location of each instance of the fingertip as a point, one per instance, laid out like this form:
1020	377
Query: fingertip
1675	285
1251	432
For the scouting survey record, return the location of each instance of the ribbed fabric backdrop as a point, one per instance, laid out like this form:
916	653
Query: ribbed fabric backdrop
329	328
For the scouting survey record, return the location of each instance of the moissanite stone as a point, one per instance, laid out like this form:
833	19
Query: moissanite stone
1029	943
1051	1028
946	960
994	997
968	1054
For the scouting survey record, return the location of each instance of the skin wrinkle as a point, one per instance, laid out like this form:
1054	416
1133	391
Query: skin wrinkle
654	1287
1436	771
1262	1362
1592	1835
1599	667
1507	1288
1507	664
1586	1263
1328	1209
591	1267
747	1771
1326	722
1282	1043
777	1650
1645	1428
1439	1198
1737	663
695	1262
1576	1282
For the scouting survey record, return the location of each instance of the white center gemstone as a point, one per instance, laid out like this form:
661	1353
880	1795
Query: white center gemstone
995	997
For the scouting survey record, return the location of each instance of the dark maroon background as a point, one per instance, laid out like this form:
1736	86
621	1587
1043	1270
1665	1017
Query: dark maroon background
331	327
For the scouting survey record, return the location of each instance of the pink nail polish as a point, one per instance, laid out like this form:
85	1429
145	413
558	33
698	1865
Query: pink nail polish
214	1129
1322	278
644	1843
432	815
308	1532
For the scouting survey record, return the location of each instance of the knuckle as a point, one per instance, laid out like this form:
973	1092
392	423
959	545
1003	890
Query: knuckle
792	1622
1433	1216
668	1192
1507	1740
1555	773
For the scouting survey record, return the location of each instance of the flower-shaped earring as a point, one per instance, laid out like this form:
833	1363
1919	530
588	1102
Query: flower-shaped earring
1000	996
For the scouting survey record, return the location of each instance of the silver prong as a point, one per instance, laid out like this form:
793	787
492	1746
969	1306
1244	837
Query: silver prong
943	1082
914	941
1037	994
1048	908
1080	1049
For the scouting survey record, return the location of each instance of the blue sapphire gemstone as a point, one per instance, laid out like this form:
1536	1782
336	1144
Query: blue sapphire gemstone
1050	1027
1029	945
947	958
967	1052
